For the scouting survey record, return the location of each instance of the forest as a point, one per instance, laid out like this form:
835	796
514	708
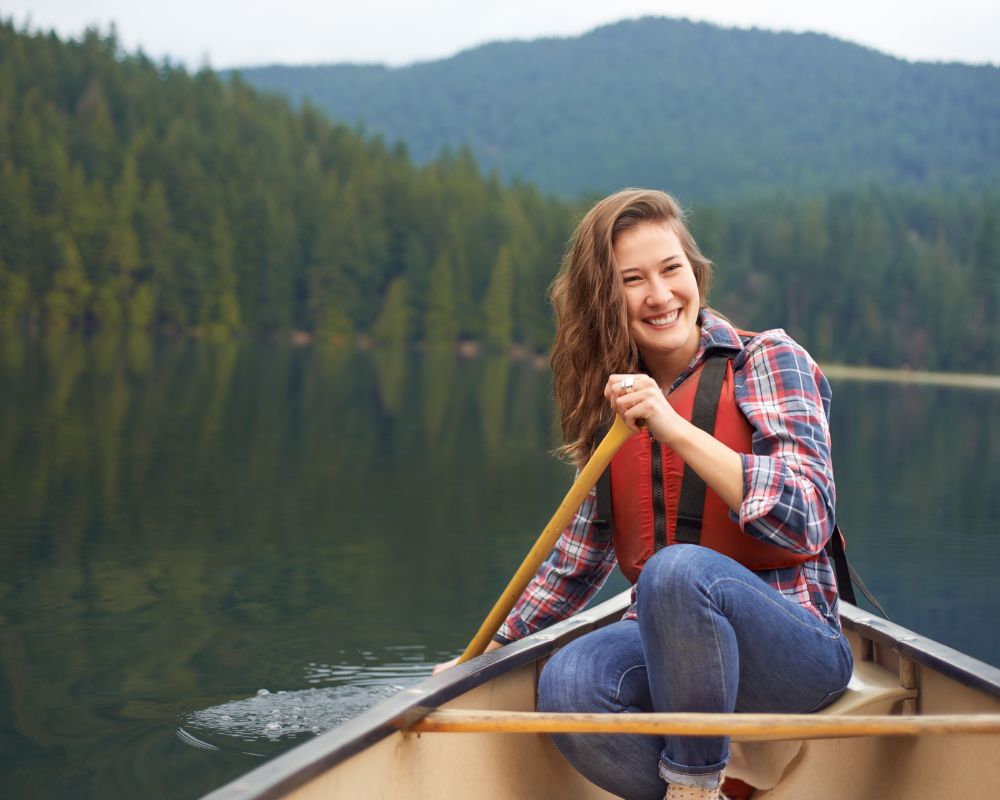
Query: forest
135	195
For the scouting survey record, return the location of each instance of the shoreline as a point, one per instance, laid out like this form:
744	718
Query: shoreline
517	351
965	380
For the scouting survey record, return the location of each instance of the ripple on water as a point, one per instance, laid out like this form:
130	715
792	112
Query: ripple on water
373	672
272	716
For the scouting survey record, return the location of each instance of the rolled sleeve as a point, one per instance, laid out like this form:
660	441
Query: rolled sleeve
789	491
574	571
762	487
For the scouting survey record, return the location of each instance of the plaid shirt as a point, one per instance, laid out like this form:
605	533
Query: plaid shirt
788	487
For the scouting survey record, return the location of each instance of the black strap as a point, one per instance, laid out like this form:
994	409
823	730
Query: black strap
691	505
847	575
835	550
864	590
603	520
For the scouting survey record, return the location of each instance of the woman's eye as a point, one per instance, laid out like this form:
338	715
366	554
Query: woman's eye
631	279
671	267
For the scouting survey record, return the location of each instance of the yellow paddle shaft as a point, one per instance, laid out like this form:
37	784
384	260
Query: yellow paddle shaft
742	727
577	493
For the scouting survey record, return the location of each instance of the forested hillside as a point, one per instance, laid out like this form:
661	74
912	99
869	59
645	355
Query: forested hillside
710	113
136	196
869	276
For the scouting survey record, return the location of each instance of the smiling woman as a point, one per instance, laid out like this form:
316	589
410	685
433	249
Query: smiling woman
720	512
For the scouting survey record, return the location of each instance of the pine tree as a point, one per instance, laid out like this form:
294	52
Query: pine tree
331	295
440	322
113	301
66	301
393	323
157	241
222	309
498	301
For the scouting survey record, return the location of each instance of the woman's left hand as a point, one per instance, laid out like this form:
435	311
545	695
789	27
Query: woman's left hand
641	403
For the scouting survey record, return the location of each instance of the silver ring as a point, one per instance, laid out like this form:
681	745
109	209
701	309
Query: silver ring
628	383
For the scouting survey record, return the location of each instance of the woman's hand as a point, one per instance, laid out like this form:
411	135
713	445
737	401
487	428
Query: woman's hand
445	665
639	399
438	668
641	403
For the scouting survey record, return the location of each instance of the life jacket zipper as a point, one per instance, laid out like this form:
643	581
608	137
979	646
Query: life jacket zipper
659	511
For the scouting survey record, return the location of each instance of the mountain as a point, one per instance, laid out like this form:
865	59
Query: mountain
707	112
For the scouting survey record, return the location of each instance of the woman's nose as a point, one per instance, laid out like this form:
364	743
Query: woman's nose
659	292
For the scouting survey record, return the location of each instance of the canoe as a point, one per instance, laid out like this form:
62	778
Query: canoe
901	679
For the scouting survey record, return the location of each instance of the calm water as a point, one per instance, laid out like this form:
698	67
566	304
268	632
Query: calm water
209	552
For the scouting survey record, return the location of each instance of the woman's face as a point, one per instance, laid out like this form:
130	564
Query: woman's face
661	294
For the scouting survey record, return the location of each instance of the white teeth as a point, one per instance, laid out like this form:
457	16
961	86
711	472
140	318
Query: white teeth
665	320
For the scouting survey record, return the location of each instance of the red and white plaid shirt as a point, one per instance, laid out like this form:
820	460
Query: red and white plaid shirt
789	493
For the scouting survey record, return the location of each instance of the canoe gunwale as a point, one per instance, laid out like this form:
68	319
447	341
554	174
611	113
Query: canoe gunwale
311	758
947	661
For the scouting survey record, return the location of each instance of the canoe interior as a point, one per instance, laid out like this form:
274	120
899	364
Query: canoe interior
371	757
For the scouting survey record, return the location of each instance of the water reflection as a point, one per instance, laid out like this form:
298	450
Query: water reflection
186	523
918	473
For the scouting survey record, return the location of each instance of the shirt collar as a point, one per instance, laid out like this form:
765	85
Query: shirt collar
716	334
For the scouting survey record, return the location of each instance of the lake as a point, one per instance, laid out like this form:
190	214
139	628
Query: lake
212	551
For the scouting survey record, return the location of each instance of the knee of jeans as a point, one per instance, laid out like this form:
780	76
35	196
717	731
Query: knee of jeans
675	570
556	685
569	680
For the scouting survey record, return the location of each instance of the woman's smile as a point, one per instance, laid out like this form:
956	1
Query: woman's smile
665	320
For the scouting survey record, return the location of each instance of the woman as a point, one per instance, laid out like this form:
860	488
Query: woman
747	623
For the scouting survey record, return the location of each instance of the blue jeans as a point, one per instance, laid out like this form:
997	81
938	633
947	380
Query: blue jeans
711	636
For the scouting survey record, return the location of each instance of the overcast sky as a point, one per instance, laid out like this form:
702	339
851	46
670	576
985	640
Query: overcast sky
225	33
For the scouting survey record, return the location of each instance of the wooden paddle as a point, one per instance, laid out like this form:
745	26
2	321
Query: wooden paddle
584	482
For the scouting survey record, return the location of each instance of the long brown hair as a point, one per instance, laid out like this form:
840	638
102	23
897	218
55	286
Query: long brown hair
592	338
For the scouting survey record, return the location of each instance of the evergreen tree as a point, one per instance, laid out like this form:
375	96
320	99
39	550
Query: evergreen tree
66	301
498	301
156	237
393	323
441	322
222	308
113	301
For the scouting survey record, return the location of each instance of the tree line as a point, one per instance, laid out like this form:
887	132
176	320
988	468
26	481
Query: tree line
137	196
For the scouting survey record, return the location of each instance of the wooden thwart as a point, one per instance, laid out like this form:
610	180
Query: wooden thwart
742	727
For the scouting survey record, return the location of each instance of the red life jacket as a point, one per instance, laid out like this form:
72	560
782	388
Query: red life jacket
646	488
